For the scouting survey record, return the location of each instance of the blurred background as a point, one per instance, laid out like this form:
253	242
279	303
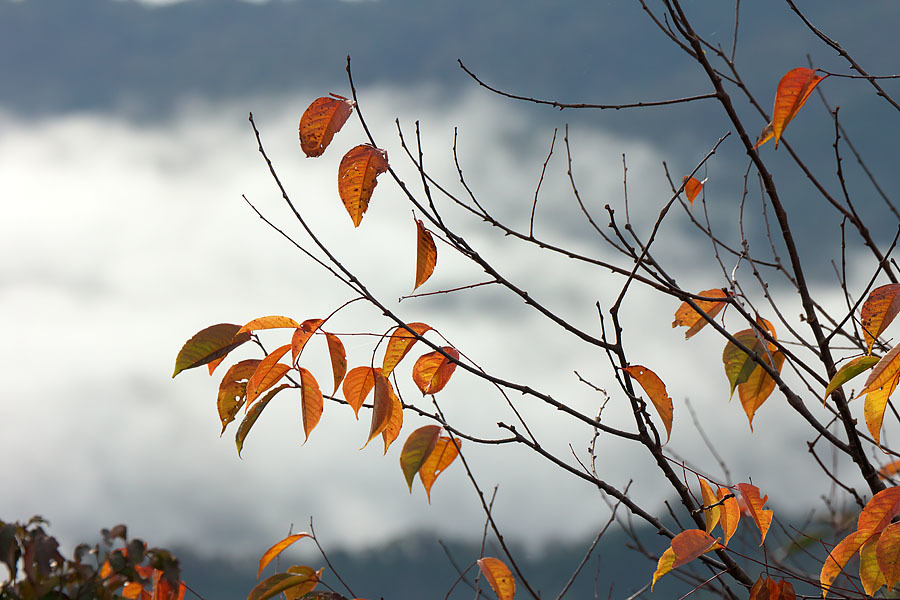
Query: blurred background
125	150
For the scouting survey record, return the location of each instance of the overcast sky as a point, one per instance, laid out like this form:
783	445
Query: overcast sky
120	239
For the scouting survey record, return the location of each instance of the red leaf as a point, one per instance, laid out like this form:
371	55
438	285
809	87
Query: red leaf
320	121
357	178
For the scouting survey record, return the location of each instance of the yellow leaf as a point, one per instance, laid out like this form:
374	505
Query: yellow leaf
839	556
499	577
656	389
849	371
273	322
729	513
888	554
416	450
884	372
869	571
759	384
710	515
876	403
665	565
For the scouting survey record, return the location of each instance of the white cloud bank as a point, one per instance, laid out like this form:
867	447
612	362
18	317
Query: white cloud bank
120	240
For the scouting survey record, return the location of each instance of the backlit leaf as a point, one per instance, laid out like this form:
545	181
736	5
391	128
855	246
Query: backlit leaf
252	415
738	364
687	316
765	135
357	385
442	456
499	577
888	554
415	451
762	518
426	254
301	336
320	121
273	322
692	188
759	385
400	344
311	402
839	556
392	431
876	403
214	363
665	565
729	513
850	370
382	407
793	90
277	549
710	515
278	583
884	372
878	311
879	511
301	591
338	359
233	390
690	544
357	178
656	390
208	345
268	373
432	371
869	572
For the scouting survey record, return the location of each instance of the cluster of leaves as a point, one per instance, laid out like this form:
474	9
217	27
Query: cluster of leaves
117	568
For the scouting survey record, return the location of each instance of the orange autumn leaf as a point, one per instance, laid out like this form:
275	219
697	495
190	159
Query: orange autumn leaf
762	518
887	554
416	450
311	402
215	363
883	373
426	254
710	515
442	456
432	371
382	407
876	403
323	118
687	316
792	93
268	373
277	549
879	511
392	430
690	544
209	345
233	390
878	311
338	359
692	188
729	513
301	335
272	322
839	556
766	588
294	583
498	577
357	175
400	344
357	385
759	384
889	470
656	389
